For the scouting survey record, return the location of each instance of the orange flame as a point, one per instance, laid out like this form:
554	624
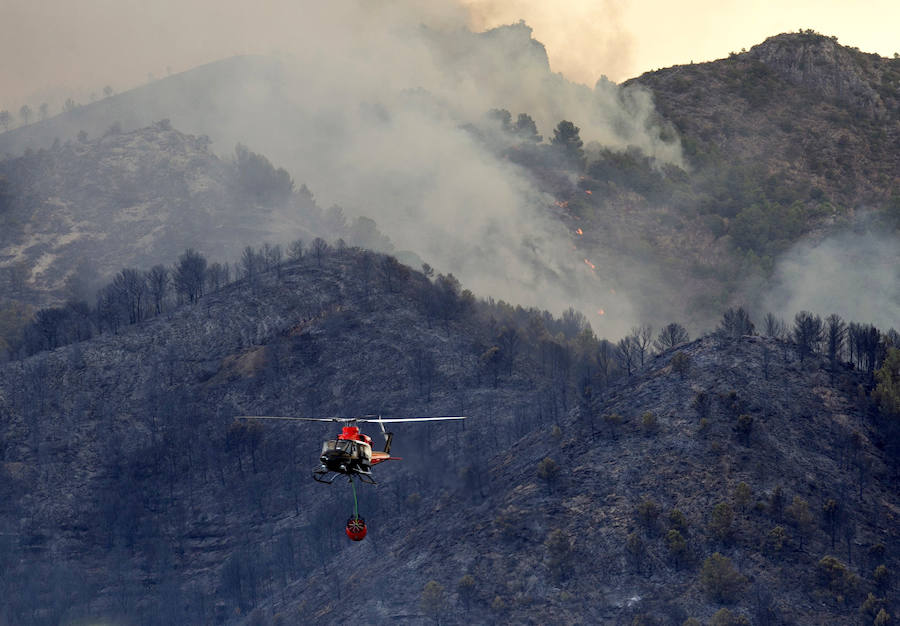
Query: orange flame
588	192
590	265
561	204
601	312
579	232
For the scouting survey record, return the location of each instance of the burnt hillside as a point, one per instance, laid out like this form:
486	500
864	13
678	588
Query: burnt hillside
130	493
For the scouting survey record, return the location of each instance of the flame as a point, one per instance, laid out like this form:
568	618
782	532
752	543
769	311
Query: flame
588	192
590	265
561	204
601	312
579	232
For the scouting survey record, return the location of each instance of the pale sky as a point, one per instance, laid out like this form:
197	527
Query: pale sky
54	49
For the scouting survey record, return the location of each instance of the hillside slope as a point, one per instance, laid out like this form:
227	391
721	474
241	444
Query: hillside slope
799	111
130	493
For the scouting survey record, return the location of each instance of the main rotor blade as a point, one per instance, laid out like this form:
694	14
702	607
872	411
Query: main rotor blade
410	419
295	419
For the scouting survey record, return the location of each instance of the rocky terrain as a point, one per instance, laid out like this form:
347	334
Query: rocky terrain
132	494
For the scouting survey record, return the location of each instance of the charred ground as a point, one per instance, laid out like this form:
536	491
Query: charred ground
131	493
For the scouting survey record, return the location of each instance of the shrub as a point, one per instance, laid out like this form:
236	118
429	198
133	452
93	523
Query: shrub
719	578
721	520
744	427
724	617
648	512
776	539
432	600
559	549
882	577
677	546
677	520
835	576
681	364
742	496
649	423
871	607
548	470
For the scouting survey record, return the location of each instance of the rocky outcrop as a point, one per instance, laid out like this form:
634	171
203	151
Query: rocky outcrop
821	64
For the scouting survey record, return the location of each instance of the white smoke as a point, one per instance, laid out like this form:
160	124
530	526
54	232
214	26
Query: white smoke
854	273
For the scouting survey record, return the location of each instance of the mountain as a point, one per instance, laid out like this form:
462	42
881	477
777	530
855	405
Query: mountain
131	494
696	181
821	120
77	213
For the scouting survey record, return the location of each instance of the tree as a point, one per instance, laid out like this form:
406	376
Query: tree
131	286
887	389
799	514
295	250
526	129
432	600
774	326
466	590
721	520
319	249
567	141
835	333
742	495
157	285
724	617
548	470
744	428
642	336
559	550
258	180
627	353
735	324
5	118
189	274
681	365
808	333
25	114
502	118
671	335
719	578
251	264
44	111
677	546
107	91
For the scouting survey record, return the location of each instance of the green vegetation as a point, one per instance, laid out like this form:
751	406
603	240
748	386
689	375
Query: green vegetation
681	364
720	580
887	390
724	617
721	520
432	600
834	576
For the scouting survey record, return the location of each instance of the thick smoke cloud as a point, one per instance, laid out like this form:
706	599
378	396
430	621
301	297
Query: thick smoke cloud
381	98
369	105
855	273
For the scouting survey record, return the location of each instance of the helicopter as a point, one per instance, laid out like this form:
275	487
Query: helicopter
351	454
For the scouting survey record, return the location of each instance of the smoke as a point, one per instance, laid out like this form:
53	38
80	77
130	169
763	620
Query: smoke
585	39
369	105
854	273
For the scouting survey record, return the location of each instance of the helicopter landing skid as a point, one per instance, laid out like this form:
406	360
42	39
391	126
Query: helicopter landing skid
326	476
321	475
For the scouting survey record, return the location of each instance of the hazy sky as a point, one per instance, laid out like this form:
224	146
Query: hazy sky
54	49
